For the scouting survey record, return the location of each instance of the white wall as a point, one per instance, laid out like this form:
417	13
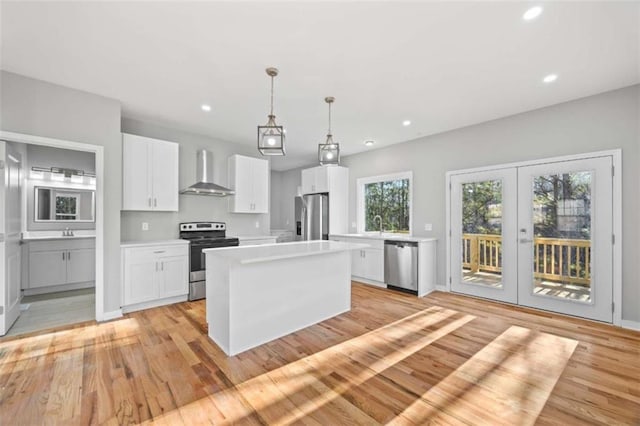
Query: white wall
284	188
39	108
601	122
164	225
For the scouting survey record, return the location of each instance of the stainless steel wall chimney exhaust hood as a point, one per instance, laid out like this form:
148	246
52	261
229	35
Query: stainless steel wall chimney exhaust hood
204	175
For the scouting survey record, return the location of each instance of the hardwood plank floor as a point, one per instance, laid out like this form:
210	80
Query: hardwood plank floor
393	359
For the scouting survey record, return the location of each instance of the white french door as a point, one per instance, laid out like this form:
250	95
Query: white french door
536	235
484	220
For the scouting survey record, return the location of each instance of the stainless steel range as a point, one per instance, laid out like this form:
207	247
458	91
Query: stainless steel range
202	235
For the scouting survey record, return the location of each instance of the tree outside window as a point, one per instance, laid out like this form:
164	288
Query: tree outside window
390	200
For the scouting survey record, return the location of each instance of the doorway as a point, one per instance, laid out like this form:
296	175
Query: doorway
537	234
86	252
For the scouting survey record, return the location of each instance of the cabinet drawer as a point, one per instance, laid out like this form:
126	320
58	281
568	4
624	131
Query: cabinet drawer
53	245
156	252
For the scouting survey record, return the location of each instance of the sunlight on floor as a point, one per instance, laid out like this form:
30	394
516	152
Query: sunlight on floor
377	350
514	375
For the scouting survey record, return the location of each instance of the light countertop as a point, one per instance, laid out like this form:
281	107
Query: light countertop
127	244
255	237
57	235
383	236
266	253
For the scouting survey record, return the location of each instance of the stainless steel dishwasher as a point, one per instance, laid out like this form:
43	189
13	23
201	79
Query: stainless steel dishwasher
401	265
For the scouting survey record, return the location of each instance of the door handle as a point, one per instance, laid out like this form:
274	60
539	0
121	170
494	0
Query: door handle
155	202
149	201
62	255
156	266
68	255
162	266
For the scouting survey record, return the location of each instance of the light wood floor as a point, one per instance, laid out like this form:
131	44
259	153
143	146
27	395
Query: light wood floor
393	359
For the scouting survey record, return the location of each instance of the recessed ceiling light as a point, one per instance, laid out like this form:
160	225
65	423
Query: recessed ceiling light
369	142
532	13
205	107
406	123
550	78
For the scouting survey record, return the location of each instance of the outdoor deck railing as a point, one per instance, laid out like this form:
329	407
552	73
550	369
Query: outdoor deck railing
555	259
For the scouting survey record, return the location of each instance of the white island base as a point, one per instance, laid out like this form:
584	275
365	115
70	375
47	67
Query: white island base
260	293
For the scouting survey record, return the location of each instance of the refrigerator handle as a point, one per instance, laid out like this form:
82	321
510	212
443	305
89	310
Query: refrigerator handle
304	221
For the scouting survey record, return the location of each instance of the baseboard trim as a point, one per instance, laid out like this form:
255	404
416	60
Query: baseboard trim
107	316
631	325
154	303
441	288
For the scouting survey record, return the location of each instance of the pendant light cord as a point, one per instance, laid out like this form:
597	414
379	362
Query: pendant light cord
271	95
329	134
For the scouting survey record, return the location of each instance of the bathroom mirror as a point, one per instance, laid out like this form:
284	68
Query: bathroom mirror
64	205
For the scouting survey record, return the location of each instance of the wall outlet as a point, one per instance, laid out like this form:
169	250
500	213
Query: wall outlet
145	226
428	227
257	224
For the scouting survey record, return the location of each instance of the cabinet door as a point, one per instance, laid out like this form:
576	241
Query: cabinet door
260	186
47	268
140	281
164	172
357	263
241	181
136	172
81	266
322	178
173	277
373	266
308	181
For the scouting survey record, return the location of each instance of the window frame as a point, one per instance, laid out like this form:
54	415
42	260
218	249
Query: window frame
360	184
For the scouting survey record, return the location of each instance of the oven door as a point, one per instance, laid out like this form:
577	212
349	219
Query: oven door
198	258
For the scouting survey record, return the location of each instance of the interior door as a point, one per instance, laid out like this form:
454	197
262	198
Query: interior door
12	265
565	237
483	234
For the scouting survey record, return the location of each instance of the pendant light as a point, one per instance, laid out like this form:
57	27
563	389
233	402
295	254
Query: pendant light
271	136
329	152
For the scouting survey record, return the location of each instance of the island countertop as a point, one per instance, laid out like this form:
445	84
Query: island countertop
267	253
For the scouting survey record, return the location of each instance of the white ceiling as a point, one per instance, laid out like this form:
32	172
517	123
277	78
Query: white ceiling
441	65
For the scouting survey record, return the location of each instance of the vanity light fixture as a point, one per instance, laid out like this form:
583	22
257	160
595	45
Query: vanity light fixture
271	136
329	152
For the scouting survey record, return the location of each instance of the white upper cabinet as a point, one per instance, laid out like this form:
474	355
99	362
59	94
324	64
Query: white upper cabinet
249	178
333	180
150	170
316	179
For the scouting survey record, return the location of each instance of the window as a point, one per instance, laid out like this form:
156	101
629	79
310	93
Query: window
66	206
388	198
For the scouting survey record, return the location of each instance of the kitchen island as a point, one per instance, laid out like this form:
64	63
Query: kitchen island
256	294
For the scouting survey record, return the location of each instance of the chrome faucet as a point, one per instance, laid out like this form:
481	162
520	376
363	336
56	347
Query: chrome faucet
67	232
379	218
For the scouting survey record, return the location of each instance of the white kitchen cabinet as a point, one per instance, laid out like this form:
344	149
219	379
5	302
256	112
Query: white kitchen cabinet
333	180
368	264
150	174
316	179
249	178
154	274
54	264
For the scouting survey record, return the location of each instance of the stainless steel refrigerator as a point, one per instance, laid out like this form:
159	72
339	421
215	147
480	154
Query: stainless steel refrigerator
312	217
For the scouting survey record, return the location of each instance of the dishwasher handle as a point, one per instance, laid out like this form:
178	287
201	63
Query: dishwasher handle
401	244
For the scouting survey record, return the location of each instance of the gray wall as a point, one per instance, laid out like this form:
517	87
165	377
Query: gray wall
44	156
601	122
39	108
164	225
284	188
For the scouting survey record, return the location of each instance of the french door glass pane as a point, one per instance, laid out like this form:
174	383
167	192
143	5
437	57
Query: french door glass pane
562	236
482	233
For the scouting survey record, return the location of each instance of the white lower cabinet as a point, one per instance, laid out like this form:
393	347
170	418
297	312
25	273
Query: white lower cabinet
58	265
154	274
367	264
